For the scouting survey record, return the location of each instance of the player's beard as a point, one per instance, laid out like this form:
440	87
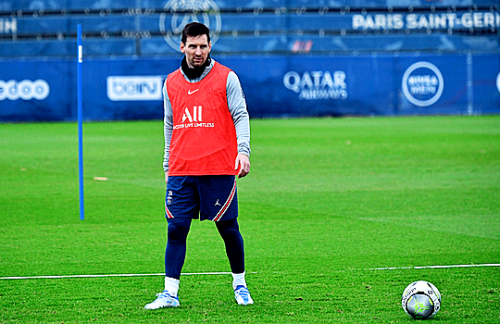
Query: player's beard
197	71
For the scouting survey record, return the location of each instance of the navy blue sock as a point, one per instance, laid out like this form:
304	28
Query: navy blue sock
230	233
176	247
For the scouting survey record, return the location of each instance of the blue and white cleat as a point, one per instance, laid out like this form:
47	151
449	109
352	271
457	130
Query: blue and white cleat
163	300
242	296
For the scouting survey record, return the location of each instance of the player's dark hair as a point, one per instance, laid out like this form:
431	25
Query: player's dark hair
195	29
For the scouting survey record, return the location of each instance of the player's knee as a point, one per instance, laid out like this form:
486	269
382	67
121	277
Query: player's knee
228	228
178	231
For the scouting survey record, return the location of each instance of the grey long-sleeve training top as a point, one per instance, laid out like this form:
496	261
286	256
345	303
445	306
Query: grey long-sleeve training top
237	107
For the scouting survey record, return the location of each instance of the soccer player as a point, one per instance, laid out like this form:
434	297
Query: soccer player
207	144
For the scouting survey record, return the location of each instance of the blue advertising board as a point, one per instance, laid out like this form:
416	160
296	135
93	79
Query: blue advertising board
486	84
315	85
275	86
432	84
37	90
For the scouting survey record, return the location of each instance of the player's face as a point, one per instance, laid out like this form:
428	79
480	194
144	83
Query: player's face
196	50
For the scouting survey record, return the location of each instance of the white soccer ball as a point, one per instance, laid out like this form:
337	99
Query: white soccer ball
421	300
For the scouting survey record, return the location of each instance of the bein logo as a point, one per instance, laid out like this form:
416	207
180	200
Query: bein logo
25	89
135	88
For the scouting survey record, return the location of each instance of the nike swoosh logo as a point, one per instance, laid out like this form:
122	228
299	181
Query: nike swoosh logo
191	92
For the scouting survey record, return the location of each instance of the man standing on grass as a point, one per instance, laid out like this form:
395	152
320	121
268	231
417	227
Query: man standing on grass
207	143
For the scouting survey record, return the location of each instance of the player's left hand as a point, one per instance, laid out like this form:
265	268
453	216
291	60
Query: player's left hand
244	161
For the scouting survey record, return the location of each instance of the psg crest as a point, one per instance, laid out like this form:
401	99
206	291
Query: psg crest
178	13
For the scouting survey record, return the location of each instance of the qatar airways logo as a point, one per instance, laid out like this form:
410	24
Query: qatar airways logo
317	85
25	90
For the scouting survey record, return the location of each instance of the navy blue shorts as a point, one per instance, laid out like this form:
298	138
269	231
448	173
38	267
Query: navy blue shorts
206	197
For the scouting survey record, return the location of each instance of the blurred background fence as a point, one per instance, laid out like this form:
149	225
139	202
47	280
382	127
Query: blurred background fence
294	57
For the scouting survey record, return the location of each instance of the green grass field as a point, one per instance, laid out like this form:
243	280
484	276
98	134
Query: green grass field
327	200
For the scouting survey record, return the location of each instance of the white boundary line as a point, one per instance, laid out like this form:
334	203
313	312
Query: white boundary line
438	267
112	275
225	273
